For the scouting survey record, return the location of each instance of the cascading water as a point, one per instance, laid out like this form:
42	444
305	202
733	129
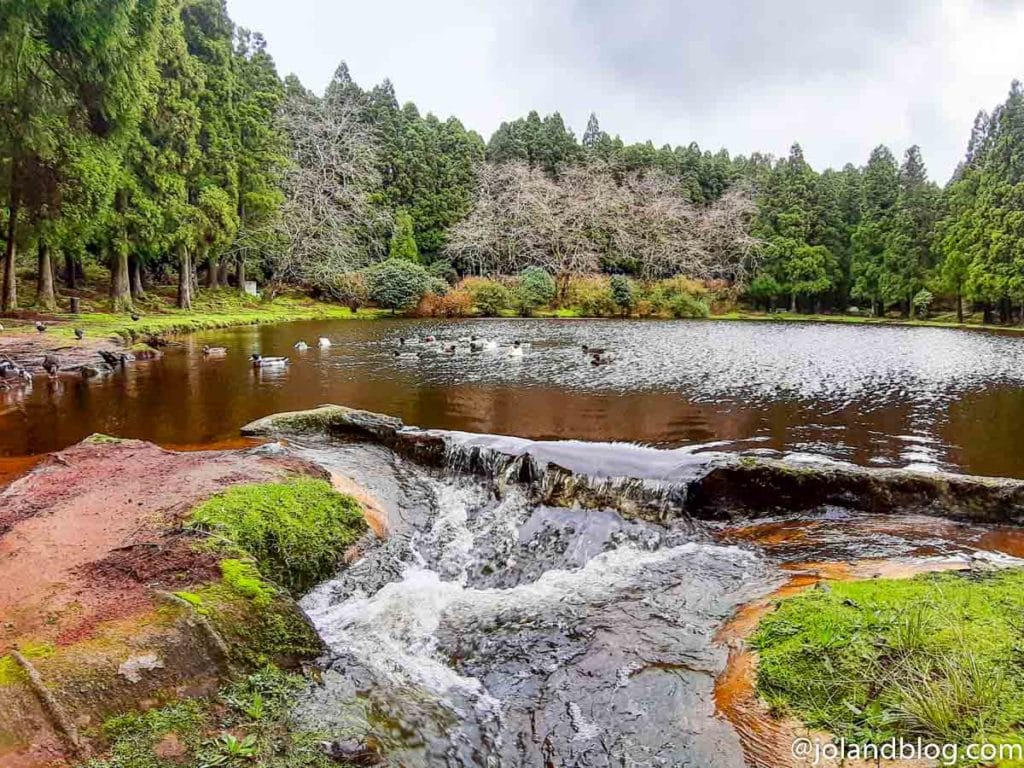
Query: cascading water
504	632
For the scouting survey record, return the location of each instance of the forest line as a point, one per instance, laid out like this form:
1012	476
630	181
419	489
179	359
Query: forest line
157	140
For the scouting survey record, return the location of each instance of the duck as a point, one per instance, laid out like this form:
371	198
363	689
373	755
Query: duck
301	346
40	326
135	317
593	350
323	342
600	358
516	351
429	340
258	361
51	365
483	345
407	355
79	334
209	351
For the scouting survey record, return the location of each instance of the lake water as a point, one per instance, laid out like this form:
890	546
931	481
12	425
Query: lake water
880	396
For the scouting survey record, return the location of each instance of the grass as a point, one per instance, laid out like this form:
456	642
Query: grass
295	531
937	321
222	308
938	656
248	723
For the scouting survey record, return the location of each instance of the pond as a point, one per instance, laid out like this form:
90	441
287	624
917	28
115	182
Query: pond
883	396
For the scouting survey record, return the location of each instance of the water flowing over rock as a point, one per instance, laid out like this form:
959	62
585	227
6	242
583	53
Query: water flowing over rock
558	603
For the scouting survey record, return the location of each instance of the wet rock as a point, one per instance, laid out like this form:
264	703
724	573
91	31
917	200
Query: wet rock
92	370
351	752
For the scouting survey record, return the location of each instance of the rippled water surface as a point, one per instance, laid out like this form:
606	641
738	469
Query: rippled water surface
885	396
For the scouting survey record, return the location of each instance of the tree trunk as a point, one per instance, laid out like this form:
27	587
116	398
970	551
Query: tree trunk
986	317
120	289
9	296
792	302
135	277
70	271
185	274
46	298
213	272
959	307
225	272
240	272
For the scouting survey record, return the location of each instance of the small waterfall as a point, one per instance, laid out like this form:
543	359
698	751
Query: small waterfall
511	632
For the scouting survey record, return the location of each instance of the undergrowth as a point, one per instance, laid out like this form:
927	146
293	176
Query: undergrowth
248	723
938	656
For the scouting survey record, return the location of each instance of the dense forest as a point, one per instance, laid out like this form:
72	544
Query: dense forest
156	139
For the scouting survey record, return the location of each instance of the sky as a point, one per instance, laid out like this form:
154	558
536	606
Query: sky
838	76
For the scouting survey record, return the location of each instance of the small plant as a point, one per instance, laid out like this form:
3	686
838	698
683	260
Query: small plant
922	303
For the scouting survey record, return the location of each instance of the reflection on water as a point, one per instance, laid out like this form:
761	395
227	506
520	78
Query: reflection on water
922	397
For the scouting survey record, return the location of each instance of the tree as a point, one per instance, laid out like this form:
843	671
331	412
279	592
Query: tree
623	293
880	191
535	289
397	284
403	243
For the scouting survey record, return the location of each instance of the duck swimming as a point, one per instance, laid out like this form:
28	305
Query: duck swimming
301	346
209	351
516	351
323	342
258	361
407	355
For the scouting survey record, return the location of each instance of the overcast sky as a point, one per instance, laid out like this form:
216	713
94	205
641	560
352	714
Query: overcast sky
839	77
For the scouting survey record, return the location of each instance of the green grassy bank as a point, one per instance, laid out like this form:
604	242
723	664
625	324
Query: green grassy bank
939	657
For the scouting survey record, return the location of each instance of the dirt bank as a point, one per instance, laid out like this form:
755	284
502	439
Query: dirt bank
92	554
28	350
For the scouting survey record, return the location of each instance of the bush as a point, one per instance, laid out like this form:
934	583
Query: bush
443	270
397	284
295	531
489	296
349	288
535	289
456	303
592	296
623	293
684	305
923	302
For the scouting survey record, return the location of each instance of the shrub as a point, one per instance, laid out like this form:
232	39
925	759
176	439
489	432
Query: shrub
923	302
623	293
397	284
535	289
684	305
592	296
443	270
296	531
349	288
456	303
489	296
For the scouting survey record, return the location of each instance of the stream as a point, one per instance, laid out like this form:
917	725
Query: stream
491	630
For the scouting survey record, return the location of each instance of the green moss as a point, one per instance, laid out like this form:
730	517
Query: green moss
295	531
254	712
101	439
246	581
938	656
11	672
259	625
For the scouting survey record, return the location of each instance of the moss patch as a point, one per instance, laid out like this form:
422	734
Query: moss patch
938	656
248	723
296	531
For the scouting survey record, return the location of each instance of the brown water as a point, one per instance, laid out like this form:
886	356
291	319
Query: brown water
922	397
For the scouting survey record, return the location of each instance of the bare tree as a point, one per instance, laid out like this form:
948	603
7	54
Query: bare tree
328	223
522	217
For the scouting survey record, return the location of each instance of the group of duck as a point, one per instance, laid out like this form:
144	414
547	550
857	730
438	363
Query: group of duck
259	361
413	348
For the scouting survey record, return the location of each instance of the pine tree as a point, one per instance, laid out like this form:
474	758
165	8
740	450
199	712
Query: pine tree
403	242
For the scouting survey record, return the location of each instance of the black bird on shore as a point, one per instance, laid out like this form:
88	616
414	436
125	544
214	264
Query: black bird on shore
40	326
79	334
135	317
51	365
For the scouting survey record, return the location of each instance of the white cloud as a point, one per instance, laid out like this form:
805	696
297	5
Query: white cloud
743	74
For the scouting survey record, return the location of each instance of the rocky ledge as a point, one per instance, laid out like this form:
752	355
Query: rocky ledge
662	484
